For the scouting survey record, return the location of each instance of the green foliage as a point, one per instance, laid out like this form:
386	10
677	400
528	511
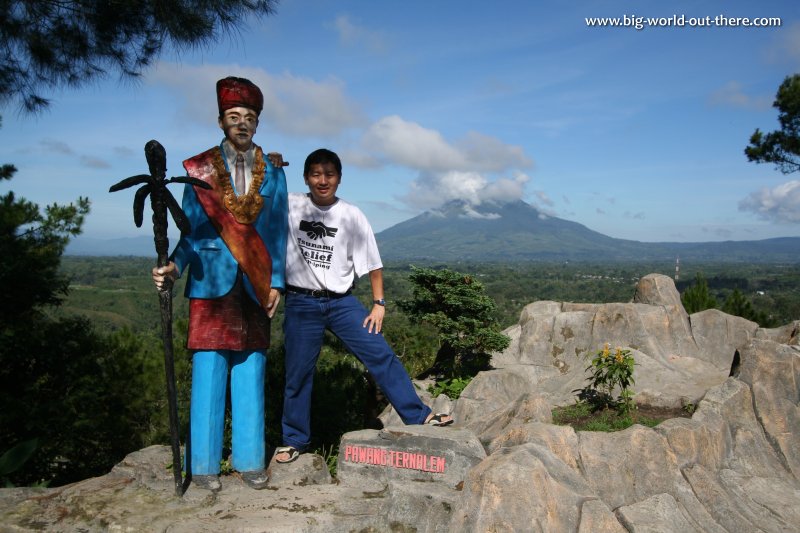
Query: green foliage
781	147
75	392
452	388
331	456
738	305
71	43
86	399
345	397
697	298
582	416
13	459
457	305
31	244
610	372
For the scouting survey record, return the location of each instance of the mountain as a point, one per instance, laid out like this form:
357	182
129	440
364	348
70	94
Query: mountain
134	246
517	231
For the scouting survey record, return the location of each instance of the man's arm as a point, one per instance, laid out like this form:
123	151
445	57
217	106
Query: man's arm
375	317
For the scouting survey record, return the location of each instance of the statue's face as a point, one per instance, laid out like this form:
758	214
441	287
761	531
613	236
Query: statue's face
239	125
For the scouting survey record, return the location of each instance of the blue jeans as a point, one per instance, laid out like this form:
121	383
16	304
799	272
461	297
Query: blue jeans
209	381
304	324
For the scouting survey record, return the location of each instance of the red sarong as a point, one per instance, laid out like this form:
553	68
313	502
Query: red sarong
233	322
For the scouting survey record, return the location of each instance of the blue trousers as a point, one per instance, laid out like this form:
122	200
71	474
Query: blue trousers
209	381
304	324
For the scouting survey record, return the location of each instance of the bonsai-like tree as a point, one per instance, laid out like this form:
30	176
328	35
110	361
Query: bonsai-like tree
458	306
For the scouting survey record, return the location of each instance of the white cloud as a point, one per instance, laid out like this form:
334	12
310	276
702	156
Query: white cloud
94	162
469	212
544	204
491	154
787	45
505	189
123	151
411	145
447	171
292	105
732	94
431	190
353	35
780	204
51	145
543	199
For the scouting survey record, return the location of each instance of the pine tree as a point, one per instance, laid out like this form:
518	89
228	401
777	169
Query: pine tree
781	147
48	44
737	304
697	297
70	397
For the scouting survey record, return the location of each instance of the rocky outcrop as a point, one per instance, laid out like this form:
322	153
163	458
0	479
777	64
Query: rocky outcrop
679	357
733	466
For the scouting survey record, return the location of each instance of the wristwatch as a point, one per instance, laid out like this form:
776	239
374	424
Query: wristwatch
380	302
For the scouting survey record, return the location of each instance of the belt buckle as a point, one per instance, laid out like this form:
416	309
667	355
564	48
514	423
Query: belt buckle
318	293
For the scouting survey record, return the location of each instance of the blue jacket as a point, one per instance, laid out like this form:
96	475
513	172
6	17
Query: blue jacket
212	267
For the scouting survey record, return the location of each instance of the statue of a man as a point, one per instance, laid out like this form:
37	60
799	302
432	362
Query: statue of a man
235	254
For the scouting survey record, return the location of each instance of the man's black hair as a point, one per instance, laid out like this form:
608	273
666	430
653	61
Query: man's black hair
321	157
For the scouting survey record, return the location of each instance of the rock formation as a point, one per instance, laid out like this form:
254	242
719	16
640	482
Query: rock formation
733	466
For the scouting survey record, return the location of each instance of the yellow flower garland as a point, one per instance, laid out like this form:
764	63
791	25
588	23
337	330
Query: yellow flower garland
245	207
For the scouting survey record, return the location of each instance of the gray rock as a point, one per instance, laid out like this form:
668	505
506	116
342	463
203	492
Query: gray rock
561	440
596	517
657	289
527	408
788	334
308	469
720	336
522	488
440	404
420	454
675	368
657	514
773	373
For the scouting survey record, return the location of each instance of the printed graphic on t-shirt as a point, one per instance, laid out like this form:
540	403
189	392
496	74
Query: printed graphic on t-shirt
316	230
316	254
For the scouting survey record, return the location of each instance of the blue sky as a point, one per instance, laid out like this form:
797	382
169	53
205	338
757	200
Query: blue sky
637	134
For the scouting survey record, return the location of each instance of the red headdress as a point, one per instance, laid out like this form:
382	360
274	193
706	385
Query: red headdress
238	92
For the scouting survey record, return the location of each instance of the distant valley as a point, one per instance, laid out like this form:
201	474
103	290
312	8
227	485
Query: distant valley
508	232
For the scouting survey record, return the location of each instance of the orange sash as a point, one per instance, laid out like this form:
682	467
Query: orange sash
242	240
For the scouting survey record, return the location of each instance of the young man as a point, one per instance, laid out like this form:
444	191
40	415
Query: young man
235	254
330	244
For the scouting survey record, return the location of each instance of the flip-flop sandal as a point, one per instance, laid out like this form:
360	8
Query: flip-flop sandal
293	454
438	420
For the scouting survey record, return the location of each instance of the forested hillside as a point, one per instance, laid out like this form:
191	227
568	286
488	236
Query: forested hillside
116	292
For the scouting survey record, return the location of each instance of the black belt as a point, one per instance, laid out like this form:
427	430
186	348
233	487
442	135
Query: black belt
317	293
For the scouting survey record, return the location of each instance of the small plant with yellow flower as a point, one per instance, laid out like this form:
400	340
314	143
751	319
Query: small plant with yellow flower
610	371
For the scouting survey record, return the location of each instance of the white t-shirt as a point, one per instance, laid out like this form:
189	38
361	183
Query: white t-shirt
328	246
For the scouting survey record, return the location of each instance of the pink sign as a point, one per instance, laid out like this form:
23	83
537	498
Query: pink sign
394	459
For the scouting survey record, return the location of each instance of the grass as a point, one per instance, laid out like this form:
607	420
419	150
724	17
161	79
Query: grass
581	417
